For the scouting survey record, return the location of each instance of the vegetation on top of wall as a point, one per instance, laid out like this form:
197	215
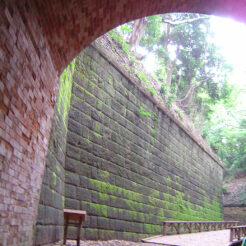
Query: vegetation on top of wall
125	47
193	75
134	63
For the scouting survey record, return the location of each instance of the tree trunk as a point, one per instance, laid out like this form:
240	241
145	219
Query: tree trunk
137	32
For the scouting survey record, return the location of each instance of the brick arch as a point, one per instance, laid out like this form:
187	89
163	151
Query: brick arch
38	38
78	27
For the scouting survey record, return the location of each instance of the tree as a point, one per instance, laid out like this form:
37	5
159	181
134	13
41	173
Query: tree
191	71
137	32
193	75
225	131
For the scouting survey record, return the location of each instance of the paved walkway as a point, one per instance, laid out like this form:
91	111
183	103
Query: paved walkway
213	238
110	243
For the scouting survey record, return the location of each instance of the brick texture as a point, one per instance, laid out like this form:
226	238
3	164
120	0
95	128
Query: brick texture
81	22
28	87
38	38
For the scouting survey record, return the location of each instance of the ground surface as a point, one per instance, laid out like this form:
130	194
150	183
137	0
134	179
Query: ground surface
213	238
109	243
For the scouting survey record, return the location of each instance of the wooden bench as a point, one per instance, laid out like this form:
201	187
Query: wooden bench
75	216
237	232
190	226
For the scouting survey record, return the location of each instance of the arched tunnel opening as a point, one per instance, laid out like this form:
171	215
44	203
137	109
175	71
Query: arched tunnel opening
34	51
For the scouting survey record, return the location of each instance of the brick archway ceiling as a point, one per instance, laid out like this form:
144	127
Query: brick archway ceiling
35	35
71	25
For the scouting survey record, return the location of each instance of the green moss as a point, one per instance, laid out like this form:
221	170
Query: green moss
97	135
104	187
88	116
65	90
97	127
88	139
63	201
169	181
132	60
101	209
141	76
144	113
58	168
155	193
111	81
134	184
125	47
54	178
152	90
99	103
152	229
103	196
104	174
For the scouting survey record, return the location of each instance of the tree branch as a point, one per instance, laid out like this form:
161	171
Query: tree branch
191	89
137	32
184	21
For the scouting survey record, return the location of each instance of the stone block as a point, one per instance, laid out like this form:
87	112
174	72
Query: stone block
72	178
83	194
73	152
50	216
41	214
91	234
45	234
107	234
70	191
72	204
104	223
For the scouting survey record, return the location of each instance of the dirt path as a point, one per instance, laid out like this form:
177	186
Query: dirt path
110	243
213	238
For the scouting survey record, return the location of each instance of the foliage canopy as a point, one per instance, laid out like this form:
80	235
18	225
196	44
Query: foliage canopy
193	75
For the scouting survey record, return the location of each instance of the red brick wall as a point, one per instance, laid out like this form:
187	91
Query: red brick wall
37	40
78	23
28	86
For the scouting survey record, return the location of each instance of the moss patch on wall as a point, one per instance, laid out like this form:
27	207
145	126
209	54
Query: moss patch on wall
64	94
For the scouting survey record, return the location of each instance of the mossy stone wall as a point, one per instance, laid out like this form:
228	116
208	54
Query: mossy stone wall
49	225
127	163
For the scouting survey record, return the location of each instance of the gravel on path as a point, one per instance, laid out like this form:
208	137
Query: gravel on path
211	238
110	243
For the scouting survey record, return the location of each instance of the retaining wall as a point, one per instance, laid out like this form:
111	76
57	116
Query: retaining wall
128	164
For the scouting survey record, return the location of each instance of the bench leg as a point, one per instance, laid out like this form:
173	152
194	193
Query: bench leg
164	228
78	232
65	230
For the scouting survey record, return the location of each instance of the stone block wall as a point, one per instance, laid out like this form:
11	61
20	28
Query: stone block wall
235	212
49	226
127	163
